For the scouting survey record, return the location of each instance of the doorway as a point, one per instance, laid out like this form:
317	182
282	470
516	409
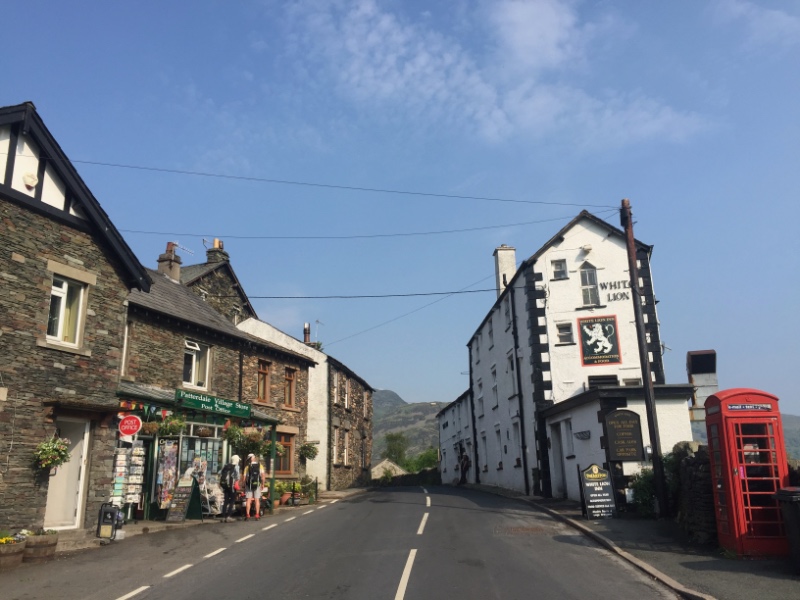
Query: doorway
66	485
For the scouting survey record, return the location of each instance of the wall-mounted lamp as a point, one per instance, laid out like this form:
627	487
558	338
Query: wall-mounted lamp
587	248
648	453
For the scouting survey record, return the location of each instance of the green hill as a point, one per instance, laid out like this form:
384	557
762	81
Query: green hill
416	420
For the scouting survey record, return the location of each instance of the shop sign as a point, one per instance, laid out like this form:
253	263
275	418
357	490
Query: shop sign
767	407
212	404
598	493
599	340
624	434
130	425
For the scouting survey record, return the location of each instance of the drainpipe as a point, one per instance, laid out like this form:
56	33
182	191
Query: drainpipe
519	391
474	430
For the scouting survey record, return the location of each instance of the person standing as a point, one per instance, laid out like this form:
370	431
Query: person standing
229	482
253	484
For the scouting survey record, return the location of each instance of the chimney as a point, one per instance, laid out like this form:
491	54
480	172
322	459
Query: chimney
217	254
505	265
701	368
169	263
306	333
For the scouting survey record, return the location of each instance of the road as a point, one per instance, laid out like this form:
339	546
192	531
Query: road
397	543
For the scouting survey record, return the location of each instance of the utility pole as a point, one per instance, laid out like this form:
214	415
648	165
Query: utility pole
644	359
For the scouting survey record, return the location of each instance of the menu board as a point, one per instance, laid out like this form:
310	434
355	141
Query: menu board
185	501
598	493
624	429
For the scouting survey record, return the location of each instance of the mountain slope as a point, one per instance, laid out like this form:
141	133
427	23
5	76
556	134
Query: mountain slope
417	421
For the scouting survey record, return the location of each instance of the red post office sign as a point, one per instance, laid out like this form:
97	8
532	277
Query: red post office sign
130	425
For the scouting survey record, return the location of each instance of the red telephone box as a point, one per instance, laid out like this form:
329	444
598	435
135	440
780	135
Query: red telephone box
748	465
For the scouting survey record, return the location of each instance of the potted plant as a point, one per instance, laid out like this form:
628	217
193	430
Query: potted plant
171	425
11	550
51	453
203	432
40	545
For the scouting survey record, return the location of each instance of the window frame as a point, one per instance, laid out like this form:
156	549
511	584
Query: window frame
200	353
587	272
565	337
75	321
559	273
284	465
263	382
346	449
289	387
335	446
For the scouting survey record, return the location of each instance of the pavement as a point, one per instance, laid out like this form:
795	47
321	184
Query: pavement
657	547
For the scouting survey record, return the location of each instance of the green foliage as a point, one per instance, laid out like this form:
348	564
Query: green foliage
52	453
386	477
396	448
252	442
428	459
171	425
644	492
308	451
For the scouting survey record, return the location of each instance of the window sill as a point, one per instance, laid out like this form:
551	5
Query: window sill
290	408
194	388
592	307
560	279
62	348
264	404
565	344
495	407
570	457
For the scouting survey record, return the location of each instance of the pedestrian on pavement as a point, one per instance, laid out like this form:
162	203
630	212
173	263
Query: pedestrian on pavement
253	485
229	482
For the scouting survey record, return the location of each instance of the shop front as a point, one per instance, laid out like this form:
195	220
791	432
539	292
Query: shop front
182	435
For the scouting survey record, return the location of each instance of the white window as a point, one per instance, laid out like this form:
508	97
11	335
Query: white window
559	269
491	333
480	398
335	446
346	393
591	295
484	455
336	388
494	387
345	453
195	364
565	333
476	349
507	312
64	323
510	371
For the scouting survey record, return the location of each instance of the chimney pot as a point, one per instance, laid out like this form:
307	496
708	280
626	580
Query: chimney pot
169	263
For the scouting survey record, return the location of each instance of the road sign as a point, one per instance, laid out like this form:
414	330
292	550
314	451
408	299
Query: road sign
130	425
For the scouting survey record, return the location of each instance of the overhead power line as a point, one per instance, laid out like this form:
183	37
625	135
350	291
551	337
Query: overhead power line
360	296
352	237
352	188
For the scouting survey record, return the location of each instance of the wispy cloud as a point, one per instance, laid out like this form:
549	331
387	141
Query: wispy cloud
764	27
385	62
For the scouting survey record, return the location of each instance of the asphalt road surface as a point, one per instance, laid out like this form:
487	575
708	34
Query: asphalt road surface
394	544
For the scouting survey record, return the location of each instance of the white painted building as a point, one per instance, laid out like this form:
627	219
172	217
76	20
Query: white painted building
456	439
562	324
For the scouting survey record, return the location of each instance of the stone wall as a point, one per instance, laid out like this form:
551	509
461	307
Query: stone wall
696	497
35	372
356	419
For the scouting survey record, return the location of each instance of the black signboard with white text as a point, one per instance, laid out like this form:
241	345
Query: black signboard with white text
624	436
598	493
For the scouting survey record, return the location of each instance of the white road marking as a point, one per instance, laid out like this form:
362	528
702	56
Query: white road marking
214	553
308	512
422	525
289	519
247	537
427	500
424	491
133	593
322	506
270	526
401	589
176	571
334	501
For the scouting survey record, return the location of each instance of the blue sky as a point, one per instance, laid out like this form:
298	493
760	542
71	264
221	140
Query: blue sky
689	109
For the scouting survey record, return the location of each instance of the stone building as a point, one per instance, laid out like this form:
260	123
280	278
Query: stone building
562	327
184	358
65	273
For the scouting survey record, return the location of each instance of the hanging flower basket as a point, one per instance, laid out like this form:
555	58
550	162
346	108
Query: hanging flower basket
308	451
203	432
150	428
171	425
51	453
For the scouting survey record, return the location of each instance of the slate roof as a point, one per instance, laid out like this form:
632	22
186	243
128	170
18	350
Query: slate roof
175	300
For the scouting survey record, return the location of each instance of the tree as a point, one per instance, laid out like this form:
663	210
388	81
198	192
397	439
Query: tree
428	459
396	448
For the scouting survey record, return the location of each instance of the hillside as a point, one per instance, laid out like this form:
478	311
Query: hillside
791	434
392	414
